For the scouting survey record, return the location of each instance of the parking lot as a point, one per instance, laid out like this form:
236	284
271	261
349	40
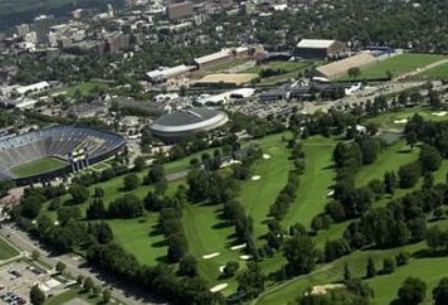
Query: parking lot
17	278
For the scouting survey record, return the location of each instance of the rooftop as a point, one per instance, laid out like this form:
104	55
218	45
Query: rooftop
315	43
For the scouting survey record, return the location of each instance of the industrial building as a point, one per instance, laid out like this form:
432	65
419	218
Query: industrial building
321	49
180	124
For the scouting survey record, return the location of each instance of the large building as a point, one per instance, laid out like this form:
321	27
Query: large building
321	48
180	124
161	75
42	26
179	10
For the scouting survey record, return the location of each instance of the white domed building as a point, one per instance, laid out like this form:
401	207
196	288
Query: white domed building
180	124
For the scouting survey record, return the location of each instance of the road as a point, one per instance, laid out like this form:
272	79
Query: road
75	265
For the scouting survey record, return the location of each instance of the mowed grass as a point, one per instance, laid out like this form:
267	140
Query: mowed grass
6	250
291	70
397	65
258	196
316	181
439	72
390	158
36	167
397	120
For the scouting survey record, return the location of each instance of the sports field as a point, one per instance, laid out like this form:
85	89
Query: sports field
6	250
397	65
37	167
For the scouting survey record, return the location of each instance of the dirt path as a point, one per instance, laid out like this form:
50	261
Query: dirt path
421	70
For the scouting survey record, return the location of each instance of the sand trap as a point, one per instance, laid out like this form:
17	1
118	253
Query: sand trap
323	289
246	257
266	156
238	247
330	193
211	255
219	287
403	121
56	223
440	114
229	163
255	178
221	268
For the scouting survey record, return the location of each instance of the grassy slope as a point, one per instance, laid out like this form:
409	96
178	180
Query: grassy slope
36	167
6	251
398	65
315	182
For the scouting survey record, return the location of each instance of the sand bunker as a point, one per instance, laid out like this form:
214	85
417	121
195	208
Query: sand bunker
246	257
238	247
221	268
219	287
229	163
323	289
211	255
266	156
255	178
440	114
403	121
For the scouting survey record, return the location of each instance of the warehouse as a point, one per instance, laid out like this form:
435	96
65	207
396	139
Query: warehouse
180	124
214	59
321	49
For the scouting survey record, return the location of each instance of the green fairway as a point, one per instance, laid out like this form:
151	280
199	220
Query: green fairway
6	250
258	196
397	120
315	182
397	65
390	159
37	167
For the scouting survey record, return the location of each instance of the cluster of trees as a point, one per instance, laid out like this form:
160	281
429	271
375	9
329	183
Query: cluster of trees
437	239
254	125
431	133
389	264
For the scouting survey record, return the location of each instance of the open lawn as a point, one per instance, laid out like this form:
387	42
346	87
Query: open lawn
439	72
397	65
37	167
87	88
315	183
6	250
398	119
291	70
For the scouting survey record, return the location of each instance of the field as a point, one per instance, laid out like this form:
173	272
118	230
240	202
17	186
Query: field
227	78
397	120
291	69
397	65
37	167
6	251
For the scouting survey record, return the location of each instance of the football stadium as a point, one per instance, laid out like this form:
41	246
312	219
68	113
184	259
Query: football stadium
48	153
180	124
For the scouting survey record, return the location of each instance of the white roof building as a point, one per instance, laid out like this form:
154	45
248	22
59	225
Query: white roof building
24	90
167	73
315	43
212	57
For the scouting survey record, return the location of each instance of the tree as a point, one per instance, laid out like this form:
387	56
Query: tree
390	182
37	296
251	281
139	163
388	266
354	72
79	193
430	158
88	285
347	272
371	270
440	293
409	174
107	296
188	266
301	254
60	267
131	182
156	173
35	255
412	291
230	269
96	210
